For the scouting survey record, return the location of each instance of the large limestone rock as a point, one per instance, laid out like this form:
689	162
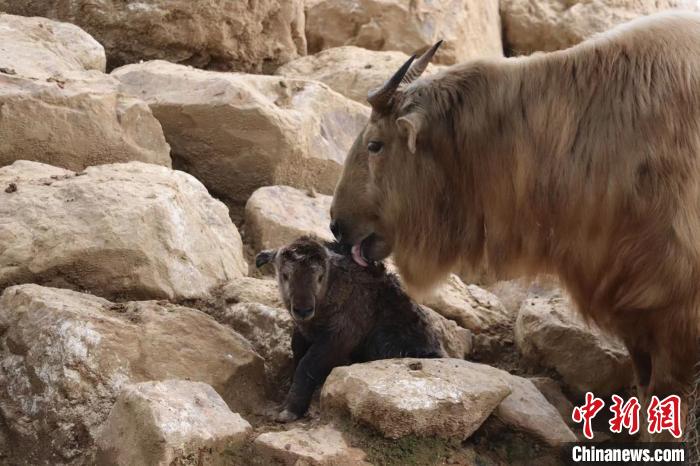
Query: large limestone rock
277	215
75	121
250	290
64	357
512	293
41	48
550	332
119	231
526	409
238	132
247	36
470	28
551	390
169	422
544	25
456	341
447	398
269	330
319	446
468	305
349	70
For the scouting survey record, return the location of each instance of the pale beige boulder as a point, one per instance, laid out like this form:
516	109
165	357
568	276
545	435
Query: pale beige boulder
269	330
224	35
470	28
526	409
238	132
251	290
550	332
349	70
132	230
42	48
277	215
76	121
169	422
511	293
551	390
65	356
545	25
446	398
456	341
468	305
318	446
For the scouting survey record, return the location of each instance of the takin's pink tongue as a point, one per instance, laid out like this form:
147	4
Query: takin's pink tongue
357	255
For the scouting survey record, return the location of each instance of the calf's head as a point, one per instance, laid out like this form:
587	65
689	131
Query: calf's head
302	275
387	170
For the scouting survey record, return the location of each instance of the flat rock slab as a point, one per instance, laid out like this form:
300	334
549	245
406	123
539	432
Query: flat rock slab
447	398
320	446
135	231
64	357
169	422
550	332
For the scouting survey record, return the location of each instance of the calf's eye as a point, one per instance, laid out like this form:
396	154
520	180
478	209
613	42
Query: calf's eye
375	146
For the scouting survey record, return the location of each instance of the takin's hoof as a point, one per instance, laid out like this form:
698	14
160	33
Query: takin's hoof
286	416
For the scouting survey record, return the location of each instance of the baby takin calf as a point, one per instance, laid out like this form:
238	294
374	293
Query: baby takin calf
343	314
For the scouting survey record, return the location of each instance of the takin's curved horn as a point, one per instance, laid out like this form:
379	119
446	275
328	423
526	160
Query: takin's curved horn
379	98
421	64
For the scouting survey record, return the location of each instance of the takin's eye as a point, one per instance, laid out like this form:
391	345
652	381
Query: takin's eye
374	147
285	276
320	278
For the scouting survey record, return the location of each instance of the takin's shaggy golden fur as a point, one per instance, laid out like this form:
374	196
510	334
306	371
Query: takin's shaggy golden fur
584	163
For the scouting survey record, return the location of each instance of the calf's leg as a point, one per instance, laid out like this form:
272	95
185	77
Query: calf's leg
321	357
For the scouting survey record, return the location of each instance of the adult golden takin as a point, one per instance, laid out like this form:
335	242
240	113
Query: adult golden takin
584	163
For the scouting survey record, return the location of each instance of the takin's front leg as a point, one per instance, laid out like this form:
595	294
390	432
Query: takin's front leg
311	372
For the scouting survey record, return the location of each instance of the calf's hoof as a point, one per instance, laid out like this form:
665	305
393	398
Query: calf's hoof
286	416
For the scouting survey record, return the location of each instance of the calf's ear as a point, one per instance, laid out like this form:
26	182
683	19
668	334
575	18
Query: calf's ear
265	257
409	128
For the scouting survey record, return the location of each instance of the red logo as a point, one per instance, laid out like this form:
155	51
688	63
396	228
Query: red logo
587	412
625	415
665	415
661	415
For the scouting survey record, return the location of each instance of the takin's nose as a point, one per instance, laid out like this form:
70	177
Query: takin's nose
303	313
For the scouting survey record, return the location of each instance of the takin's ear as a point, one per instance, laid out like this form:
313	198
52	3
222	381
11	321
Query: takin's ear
409	127
265	257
